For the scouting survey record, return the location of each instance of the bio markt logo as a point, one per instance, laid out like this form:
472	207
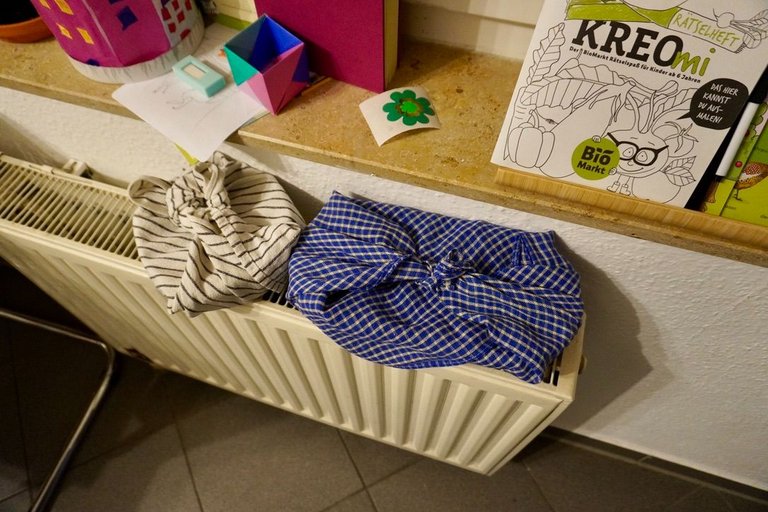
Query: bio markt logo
595	158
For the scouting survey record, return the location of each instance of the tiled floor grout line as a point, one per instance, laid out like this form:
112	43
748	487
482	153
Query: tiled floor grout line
74	463
605	453
105	454
538	487
24	440
332	505
388	475
12	496
684	497
639	462
727	503
731	506
703	484
131	440
186	456
357	470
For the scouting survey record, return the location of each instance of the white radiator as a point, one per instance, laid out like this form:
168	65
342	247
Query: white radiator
73	238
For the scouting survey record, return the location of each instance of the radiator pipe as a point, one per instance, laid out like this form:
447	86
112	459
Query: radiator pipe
43	499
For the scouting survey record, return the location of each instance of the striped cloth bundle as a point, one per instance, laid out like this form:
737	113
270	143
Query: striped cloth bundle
412	289
217	236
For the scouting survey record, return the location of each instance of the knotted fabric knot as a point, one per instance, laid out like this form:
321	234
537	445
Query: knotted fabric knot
216	236
447	270
195	201
218	200
184	205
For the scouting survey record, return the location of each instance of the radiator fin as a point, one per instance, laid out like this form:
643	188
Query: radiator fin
428	403
483	423
344	386
226	335
399	385
273	373
312	357
287	358
247	342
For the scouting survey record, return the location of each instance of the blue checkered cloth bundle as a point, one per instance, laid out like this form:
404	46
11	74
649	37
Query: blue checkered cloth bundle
412	289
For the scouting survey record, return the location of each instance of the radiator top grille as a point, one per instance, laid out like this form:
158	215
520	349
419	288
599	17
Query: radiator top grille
56	203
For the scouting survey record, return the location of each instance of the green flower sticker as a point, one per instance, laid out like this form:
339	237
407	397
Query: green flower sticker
406	106
397	111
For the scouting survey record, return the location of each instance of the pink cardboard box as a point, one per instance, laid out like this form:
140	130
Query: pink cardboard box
268	63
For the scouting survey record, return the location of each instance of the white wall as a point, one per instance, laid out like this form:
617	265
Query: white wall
675	340
501	27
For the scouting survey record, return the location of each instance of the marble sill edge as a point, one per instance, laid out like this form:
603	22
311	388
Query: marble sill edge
98	96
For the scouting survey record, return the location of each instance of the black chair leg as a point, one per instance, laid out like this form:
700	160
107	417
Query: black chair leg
43	499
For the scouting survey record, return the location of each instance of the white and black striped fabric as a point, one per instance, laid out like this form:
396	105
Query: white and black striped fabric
217	236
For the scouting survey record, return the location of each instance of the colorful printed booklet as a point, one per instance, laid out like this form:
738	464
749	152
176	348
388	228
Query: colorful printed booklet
748	199
633	97
719	190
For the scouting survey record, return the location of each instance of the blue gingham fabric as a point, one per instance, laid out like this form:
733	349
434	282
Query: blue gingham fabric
412	289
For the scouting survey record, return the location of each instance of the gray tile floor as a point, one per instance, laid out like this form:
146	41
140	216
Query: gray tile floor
166	443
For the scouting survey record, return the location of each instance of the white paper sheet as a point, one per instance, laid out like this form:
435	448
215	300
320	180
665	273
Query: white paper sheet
398	111
196	123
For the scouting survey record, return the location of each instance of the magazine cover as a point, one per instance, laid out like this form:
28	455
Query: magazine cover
633	97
